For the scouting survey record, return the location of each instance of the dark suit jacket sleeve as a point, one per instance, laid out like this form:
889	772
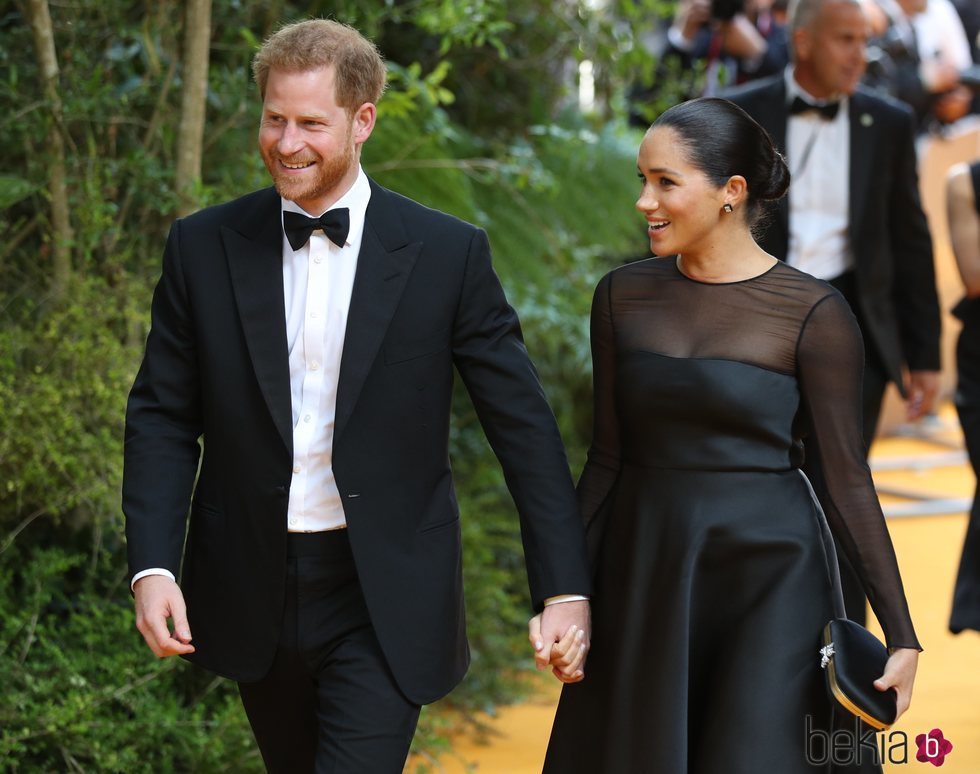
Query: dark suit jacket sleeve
916	301
489	353
163	425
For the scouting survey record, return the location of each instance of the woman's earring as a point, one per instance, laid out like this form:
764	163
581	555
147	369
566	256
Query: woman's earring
727	207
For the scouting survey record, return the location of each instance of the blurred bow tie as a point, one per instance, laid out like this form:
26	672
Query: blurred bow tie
334	223
828	110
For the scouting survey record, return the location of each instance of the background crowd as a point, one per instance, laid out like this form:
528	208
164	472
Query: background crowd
923	52
115	119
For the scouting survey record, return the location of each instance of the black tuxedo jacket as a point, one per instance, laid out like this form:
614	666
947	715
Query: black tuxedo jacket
425	299
896	285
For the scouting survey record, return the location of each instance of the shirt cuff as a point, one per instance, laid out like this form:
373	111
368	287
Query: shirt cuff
565	598
157	571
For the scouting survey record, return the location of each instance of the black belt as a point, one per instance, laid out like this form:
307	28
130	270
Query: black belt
331	544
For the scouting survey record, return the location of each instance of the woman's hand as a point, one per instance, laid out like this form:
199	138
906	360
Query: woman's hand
566	656
900	674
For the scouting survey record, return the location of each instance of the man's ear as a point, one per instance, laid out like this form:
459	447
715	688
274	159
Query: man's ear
362	123
802	45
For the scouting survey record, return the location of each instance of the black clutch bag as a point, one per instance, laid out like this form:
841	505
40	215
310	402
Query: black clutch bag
853	658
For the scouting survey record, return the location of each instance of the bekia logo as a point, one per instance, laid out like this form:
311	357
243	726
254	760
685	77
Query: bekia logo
933	748
847	747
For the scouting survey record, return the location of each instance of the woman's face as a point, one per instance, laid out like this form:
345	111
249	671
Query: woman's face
681	205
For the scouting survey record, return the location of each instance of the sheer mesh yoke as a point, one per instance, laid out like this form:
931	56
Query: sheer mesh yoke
656	333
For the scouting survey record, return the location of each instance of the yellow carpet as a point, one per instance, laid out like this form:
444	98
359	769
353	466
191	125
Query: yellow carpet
947	694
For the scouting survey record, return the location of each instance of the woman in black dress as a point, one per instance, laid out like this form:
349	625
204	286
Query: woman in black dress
963	199
712	582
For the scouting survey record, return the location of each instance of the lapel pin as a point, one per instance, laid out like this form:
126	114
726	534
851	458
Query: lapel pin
866	119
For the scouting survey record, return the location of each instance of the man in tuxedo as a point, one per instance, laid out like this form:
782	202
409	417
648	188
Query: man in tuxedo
308	334
853	215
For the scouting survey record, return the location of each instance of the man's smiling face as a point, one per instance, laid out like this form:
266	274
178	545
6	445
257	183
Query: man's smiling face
307	141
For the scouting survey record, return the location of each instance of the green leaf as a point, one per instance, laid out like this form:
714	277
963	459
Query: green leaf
13	190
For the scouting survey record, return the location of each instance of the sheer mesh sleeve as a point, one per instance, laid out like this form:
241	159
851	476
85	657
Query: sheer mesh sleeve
830	362
602	467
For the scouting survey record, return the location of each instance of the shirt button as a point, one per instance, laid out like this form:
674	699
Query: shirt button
318	259
297	468
314	315
307	418
314	366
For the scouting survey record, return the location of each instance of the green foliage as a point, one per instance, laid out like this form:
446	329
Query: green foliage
514	68
80	692
669	85
63	382
14	189
469	24
410	92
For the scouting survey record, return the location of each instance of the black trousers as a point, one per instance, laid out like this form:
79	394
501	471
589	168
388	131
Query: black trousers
329	704
875	381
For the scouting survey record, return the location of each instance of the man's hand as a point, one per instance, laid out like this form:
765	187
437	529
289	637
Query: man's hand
691	16
953	105
560	636
742	40
157	599
922	388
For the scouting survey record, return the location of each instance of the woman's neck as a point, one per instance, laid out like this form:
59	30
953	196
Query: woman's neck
731	261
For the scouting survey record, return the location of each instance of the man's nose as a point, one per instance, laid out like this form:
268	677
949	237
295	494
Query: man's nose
290	140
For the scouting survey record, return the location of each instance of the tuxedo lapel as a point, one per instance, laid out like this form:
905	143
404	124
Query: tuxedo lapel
383	267
862	154
255	263
773	115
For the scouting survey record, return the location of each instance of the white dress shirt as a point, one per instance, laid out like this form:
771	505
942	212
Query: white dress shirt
318	280
818	152
941	41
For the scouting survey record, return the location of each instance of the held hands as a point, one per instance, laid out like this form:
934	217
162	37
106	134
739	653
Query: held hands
157	599
900	674
560	637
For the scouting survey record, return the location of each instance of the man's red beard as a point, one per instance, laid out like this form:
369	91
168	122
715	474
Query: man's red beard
326	173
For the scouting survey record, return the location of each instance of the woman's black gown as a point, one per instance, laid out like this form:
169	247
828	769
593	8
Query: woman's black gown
966	596
712	584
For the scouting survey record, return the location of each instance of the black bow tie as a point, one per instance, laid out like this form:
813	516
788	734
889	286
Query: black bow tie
828	110
334	223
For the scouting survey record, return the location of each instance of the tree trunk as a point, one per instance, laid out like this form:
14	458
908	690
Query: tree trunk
190	134
40	21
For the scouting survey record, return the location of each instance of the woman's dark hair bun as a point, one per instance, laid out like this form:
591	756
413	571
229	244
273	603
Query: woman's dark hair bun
777	183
